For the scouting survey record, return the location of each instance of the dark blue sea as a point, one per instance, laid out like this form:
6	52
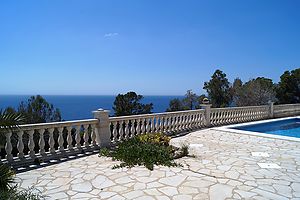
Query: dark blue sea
74	107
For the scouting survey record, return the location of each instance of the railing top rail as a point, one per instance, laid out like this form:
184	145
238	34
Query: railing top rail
58	124
238	108
285	105
154	115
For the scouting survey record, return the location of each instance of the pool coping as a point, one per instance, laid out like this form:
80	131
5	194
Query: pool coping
228	128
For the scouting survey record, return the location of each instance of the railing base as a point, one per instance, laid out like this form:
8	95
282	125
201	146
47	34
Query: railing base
28	163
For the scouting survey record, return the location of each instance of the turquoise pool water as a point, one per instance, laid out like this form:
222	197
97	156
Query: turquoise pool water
288	127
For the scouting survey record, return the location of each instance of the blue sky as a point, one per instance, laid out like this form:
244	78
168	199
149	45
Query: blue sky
151	47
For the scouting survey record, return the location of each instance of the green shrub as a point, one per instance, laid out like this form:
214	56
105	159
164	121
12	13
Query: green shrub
14	193
155	138
6	177
9	190
147	150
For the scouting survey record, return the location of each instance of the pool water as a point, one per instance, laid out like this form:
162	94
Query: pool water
288	127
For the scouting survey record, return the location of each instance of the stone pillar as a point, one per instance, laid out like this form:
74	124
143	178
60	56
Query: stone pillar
271	109
102	129
207	108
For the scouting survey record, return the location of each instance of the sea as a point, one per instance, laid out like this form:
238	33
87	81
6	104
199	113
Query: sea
74	107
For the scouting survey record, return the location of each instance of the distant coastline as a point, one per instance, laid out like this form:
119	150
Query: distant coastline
74	107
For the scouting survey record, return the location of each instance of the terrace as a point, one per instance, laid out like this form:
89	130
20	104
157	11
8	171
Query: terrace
226	165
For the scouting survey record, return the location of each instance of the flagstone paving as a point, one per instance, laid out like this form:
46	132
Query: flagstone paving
223	167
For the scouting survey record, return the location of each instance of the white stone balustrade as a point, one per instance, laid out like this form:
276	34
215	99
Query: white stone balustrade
223	116
59	138
286	110
169	122
49	139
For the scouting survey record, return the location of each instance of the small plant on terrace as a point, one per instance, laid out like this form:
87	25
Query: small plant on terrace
147	150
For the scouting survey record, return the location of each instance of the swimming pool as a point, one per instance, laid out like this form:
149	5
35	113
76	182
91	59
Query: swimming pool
286	127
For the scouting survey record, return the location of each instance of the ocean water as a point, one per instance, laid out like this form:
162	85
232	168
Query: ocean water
74	107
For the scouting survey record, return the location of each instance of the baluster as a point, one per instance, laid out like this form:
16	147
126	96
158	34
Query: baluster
114	132
78	136
179	121
166	124
199	120
191	119
132	128
60	138
241	115
230	116
182	118
121	130
51	140
225	117
147	125
185	122
127	129
86	135
69	138
157	119
93	135
186	118
20	145
169	124
195	121
202	118
218	118
42	142
181	126
212	114
143	127
162	124
152	125
31	144
8	146
138	126
173	123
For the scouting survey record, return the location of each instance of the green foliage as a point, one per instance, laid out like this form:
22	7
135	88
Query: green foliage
6	177
10	121
255	92
175	105
288	90
147	150
36	110
129	104
218	89
14	193
157	138
189	102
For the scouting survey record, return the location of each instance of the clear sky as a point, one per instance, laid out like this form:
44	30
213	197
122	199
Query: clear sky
151	47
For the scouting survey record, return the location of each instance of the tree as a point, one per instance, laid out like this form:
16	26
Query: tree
129	104
236	91
37	110
288	89
255	92
190	100
175	105
218	89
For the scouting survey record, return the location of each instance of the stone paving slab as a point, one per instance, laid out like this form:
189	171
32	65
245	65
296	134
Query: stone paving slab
223	168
